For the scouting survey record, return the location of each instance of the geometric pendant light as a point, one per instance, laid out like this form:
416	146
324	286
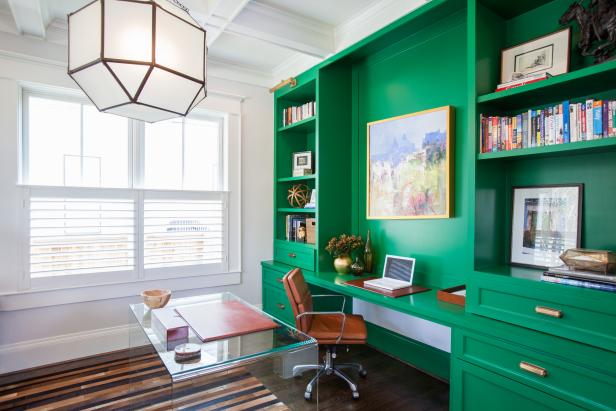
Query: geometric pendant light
142	59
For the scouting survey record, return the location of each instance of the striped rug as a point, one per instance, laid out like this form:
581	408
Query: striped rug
140	383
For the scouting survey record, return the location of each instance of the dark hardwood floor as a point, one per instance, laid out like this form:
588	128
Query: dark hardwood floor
114	382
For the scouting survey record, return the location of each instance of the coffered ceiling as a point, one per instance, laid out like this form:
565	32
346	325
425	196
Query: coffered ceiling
254	41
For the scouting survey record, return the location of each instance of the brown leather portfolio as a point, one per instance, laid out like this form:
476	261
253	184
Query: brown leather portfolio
218	320
414	289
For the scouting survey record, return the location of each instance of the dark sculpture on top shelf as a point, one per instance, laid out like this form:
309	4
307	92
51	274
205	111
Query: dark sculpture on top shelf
597	27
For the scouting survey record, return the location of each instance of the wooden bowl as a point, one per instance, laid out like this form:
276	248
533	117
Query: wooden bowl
156	298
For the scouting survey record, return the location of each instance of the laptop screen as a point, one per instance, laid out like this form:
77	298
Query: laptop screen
399	268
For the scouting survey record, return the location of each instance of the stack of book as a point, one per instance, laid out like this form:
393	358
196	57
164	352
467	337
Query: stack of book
523	81
296	228
560	124
585	279
294	114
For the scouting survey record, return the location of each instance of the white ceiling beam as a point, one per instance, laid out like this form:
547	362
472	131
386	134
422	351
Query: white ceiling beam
281	28
31	17
219	14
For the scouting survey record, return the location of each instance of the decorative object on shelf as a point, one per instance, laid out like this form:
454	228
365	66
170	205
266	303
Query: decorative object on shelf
531	78
546	221
311	230
341	247
302	163
453	295
296	228
547	54
597	280
139	59
298	195
590	260
368	254
409	166
156	298
313	199
597	24
357	267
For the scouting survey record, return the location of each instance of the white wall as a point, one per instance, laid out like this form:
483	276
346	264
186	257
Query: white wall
56	331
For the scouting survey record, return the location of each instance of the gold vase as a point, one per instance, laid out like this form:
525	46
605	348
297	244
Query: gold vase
342	264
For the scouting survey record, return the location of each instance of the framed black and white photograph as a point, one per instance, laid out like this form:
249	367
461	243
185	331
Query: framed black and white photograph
545	221
302	163
547	54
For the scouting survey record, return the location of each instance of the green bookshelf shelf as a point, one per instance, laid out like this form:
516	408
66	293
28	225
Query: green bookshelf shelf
297	244
305	125
579	83
297	210
299	178
579	147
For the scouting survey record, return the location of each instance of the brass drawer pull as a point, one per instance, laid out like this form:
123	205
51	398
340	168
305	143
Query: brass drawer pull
551	312
534	369
292	255
279	280
281	306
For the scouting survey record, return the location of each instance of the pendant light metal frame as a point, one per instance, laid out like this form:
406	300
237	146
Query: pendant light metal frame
152	65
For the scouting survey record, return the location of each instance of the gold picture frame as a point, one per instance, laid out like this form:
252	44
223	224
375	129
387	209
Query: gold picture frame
418	204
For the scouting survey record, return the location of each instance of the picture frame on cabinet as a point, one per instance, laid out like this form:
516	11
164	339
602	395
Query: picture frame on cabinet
546	220
302	163
546	54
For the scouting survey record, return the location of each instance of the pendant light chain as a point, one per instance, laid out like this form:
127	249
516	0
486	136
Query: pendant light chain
180	5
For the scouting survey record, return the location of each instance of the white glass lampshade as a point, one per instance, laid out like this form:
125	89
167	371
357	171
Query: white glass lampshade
143	59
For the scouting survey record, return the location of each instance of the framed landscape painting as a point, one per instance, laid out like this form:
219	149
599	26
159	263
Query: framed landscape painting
409	166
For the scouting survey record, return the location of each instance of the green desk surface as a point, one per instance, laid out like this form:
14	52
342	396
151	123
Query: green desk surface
424	305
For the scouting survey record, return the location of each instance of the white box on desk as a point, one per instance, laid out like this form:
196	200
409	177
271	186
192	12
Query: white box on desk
169	327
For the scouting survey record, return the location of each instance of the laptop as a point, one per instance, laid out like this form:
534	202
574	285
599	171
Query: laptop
397	273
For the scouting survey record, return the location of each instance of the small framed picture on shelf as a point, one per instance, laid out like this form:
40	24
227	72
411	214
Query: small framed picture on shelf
545	221
302	163
547	54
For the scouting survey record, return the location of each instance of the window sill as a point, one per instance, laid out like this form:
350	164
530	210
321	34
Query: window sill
28	299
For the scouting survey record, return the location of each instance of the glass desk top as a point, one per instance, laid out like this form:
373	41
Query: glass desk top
220	354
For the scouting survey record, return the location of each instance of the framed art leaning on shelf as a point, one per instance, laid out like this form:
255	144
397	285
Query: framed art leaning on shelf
546	221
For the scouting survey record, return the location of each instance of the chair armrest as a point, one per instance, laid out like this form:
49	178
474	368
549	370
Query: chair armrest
327	313
333	295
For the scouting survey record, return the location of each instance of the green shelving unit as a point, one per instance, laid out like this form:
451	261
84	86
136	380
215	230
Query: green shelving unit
298	178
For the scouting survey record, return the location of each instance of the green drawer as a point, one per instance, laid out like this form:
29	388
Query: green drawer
273	278
476	389
275	303
563	378
588	316
295	254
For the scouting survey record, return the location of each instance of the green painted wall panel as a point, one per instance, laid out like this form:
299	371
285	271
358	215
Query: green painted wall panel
405	78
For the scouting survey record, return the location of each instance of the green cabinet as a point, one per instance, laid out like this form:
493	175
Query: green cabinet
477	389
546	368
295	254
275	303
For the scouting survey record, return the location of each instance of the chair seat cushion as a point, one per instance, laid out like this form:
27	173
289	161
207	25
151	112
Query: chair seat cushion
326	329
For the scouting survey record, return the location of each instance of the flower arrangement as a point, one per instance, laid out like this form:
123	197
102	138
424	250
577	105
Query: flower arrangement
343	244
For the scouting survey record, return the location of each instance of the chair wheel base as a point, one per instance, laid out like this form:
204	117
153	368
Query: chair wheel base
355	395
363	373
307	396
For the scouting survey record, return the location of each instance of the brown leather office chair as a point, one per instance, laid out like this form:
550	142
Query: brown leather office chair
329	328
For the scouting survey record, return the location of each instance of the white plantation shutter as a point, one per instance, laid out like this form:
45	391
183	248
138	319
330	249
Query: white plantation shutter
181	229
80	235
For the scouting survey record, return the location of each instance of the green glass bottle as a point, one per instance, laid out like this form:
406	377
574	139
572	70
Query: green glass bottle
368	255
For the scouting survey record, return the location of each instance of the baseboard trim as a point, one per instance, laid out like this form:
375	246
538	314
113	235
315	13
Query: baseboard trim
44	351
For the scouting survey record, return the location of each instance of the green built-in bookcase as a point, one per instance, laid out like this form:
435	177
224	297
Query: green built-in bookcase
447	52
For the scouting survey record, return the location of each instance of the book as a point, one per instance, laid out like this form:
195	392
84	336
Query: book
523	81
566	124
293	114
589	120
565	271
579	283
597	119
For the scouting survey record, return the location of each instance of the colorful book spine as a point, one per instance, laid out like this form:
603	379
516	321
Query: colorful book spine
579	283
597	119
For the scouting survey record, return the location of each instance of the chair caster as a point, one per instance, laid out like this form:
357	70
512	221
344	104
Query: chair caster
307	396
363	373
355	395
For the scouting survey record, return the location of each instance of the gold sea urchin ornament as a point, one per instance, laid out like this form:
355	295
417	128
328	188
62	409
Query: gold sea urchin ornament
298	195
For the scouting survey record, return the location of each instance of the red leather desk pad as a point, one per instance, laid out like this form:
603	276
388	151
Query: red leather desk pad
414	289
219	320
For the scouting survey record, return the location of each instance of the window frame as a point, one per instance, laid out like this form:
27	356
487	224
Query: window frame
136	191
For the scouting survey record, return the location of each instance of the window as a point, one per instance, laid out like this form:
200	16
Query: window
117	199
